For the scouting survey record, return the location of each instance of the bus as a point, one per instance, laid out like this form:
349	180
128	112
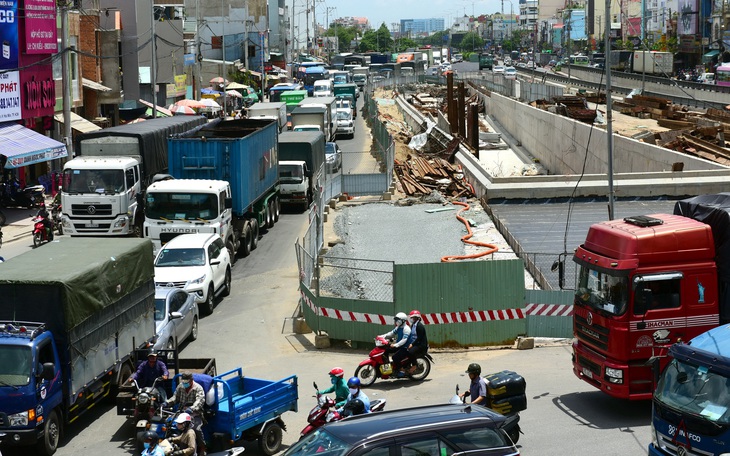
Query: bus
276	91
313	74
722	75
579	60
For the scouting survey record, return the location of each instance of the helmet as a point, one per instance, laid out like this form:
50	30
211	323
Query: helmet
415	314
474	368
337	372
152	352
354	382
400	316
183	418
150	436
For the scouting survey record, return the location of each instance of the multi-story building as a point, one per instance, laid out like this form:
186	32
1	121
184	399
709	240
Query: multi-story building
421	27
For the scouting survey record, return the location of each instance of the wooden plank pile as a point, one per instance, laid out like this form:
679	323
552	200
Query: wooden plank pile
419	175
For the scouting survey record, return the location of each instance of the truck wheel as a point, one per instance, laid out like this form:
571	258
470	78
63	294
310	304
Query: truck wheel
246	244
277	208
270	218
51	435
227	284
254	234
209	303
270	439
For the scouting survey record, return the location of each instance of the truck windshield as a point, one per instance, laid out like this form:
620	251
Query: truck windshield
696	391
15	363
319	442
291	174
602	291
181	206
104	181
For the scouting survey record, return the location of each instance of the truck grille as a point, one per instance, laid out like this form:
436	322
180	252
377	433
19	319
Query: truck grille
3	420
171	284
666	443
86	210
594	334
590	365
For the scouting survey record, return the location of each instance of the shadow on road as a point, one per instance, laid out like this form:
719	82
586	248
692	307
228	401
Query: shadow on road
600	411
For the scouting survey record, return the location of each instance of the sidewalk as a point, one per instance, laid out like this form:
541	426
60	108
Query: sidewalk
19	223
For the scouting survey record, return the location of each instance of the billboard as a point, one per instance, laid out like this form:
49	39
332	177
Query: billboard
10	108
688	11
9	34
40	27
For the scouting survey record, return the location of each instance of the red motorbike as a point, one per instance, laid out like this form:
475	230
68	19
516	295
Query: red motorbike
324	412
378	365
41	233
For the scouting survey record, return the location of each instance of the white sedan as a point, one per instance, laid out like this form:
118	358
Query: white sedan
510	73
498	69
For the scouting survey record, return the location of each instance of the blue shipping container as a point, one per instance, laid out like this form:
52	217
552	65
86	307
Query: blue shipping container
243	152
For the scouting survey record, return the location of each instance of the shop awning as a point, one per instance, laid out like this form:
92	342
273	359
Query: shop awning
24	147
93	85
710	55
78	123
160	109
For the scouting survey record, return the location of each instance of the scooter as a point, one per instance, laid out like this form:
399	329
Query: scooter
511	425
378	365
324	412
41	234
11	195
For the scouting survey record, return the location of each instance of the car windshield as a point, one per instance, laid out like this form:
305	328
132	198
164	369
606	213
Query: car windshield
15	363
329	148
602	291
159	309
291	174
181	257
105	181
318	443
181	206
695	391
343	115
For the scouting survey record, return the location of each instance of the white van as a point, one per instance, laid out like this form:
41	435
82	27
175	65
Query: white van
323	88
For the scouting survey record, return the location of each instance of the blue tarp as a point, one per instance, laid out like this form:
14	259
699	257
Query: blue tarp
24	147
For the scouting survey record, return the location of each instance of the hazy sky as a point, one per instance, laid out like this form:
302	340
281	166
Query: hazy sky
392	11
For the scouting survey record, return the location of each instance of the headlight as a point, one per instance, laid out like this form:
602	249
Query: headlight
199	280
143	398
615	375
121	222
19	419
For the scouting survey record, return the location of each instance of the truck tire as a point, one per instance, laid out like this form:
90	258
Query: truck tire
51	435
277	209
246	241
270	439
270	213
254	234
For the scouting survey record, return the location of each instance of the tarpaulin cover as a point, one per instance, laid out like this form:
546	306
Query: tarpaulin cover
714	210
68	282
152	136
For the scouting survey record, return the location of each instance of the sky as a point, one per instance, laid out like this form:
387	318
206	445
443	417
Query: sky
392	11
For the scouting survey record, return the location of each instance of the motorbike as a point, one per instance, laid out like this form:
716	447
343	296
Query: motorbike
324	412
147	402
378	365
511	424
41	234
56	218
11	195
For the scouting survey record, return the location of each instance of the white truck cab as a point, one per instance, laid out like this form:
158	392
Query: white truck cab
184	206
100	195
294	183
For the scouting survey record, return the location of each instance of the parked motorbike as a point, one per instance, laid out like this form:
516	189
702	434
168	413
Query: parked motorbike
41	233
378	365
511	424
324	412
11	195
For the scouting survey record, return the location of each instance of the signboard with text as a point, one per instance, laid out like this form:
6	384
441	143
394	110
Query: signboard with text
9	34
37	87
40	27
10	96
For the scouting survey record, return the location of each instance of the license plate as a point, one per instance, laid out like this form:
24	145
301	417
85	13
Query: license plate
587	373
92	225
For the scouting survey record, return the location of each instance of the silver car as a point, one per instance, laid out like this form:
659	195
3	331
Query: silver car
176	317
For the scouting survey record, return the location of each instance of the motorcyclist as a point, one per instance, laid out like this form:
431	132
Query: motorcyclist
339	387
417	342
46	219
190	396
478	386
399	336
185	442
357	402
149	371
151	445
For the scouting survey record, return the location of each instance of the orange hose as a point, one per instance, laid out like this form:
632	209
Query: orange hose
465	239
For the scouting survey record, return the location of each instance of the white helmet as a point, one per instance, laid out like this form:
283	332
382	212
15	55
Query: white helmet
183	418
400	318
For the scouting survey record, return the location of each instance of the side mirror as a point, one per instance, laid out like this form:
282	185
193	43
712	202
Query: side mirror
48	371
175	315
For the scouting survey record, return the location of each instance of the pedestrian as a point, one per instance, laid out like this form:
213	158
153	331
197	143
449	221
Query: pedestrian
478	386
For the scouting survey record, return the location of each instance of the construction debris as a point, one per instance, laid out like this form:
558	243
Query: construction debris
421	176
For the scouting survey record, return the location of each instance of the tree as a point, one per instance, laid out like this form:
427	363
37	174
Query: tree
345	35
378	40
471	41
404	43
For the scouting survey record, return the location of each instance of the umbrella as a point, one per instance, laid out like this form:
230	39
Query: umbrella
210	92
219	80
209	103
234	93
188	103
236	85
183	110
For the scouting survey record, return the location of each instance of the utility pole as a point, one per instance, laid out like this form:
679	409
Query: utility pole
225	64
66	91
153	66
609	112
643	45
198	56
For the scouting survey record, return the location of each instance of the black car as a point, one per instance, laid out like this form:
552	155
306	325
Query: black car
436	430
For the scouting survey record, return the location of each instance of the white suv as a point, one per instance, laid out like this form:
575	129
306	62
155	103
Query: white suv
199	264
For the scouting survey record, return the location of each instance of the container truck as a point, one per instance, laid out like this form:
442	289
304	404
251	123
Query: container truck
348	91
643	283
329	103
309	117
690	405
269	111
104	184
67	333
653	62
226	181
301	167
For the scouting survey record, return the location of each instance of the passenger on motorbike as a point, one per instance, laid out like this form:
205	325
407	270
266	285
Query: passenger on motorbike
151	445
190	395
417	342
354	400
148	372
339	387
399	336
478	386
185	442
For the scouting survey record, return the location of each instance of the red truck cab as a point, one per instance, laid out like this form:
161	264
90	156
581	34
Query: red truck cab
643	283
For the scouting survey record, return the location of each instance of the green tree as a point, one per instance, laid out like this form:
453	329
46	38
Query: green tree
345	35
404	43
471	41
376	40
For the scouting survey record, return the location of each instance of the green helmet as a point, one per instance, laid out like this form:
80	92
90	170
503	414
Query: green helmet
474	368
